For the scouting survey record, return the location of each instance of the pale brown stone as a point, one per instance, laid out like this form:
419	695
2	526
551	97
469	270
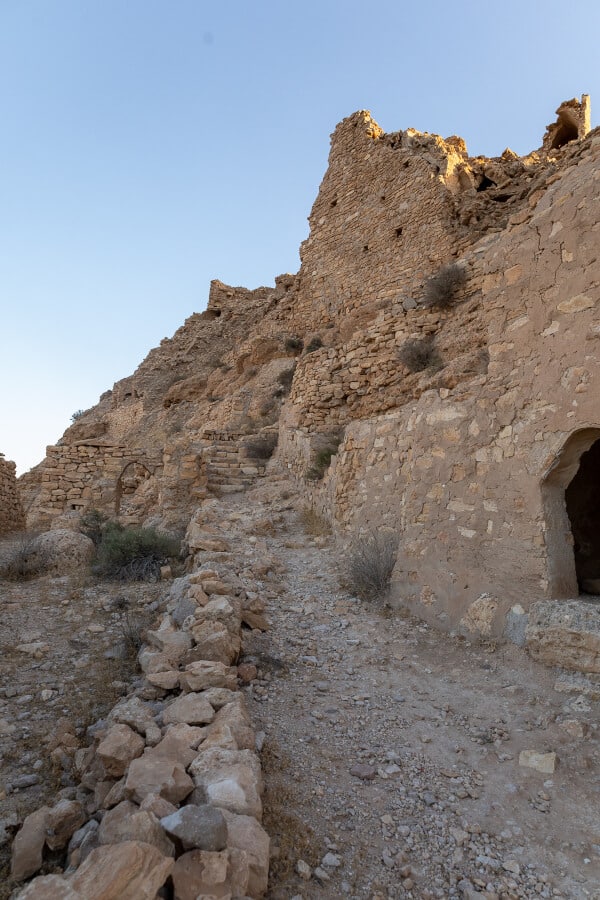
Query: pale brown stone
118	747
190	709
206	674
130	871
127	822
62	821
28	845
160	775
231	779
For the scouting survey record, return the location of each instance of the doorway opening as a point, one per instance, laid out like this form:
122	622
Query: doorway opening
571	497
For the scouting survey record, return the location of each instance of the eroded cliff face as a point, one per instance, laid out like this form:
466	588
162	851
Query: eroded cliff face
458	452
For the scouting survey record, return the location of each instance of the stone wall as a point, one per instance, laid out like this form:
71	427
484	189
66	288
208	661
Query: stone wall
96	475
471	475
12	517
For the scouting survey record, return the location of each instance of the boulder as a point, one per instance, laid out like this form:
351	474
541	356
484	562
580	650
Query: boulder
244	833
215	642
203	674
28	845
117	749
59	551
225	610
181	742
130	871
191	709
62	822
231	722
49	887
231	780
160	775
197	827
221	876
127	822
565	633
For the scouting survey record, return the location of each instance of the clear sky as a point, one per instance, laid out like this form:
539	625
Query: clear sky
151	145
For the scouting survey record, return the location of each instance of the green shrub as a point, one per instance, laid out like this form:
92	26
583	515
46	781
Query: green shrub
133	553
322	459
77	414
368	566
442	288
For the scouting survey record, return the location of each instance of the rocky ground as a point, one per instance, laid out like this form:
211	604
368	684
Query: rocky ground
67	652
392	753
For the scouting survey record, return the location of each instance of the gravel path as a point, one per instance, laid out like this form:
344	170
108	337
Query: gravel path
391	751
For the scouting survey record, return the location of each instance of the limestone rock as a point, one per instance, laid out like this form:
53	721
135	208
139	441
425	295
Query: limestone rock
215	642
130	871
225	610
479	617
119	746
49	887
231	722
127	822
197	827
181	742
28	845
156	774
62	822
59	551
191	709
231	779
565	633
541	762
206	674
216	875
244	833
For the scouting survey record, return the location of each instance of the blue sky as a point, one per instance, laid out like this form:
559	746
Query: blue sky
151	145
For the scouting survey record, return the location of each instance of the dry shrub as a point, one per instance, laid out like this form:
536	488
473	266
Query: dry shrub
418	354
315	343
368	566
23	561
134	553
263	446
314	523
442	288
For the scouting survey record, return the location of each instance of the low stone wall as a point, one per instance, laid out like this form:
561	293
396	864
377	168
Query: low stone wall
170	789
12	517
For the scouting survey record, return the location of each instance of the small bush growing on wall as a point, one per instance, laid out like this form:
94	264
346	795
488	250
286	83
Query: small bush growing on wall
284	379
315	343
77	414
294	344
368	566
133	553
418	354
442	288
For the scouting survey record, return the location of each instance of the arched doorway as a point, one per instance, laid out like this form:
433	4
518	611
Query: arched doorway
571	494
131	479
583	508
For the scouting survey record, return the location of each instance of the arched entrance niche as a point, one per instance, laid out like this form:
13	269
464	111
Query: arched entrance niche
571	494
133	476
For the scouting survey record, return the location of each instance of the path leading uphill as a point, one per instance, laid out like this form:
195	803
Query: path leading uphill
391	751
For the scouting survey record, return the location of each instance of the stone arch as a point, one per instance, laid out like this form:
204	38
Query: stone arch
132	477
571	499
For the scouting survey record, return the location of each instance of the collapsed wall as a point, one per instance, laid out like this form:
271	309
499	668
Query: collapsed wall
12	517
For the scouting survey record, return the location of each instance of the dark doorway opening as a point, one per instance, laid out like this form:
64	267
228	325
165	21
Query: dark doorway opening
582	498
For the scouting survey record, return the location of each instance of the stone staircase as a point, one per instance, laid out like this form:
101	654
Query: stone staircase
228	468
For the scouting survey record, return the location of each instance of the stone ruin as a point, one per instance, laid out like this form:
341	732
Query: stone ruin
468	429
12	517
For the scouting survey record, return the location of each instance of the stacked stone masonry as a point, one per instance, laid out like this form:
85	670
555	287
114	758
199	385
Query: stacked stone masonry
12	517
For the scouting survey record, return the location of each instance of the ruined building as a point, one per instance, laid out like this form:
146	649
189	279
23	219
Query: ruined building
464	419
12	517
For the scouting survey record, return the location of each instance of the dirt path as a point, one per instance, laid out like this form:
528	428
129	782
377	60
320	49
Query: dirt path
392	751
